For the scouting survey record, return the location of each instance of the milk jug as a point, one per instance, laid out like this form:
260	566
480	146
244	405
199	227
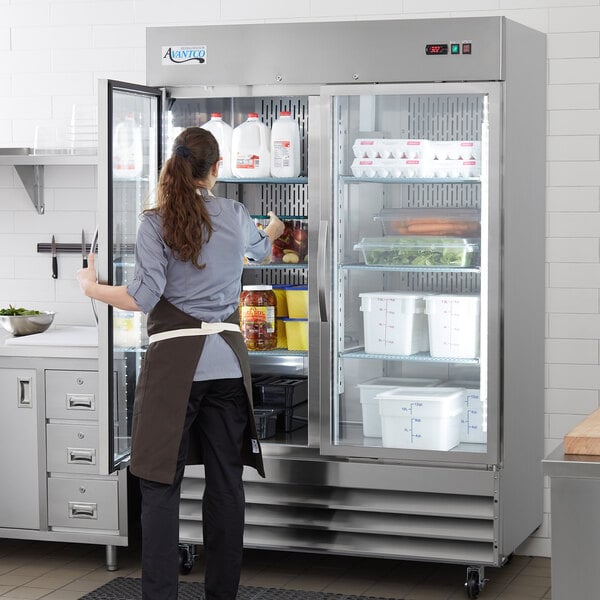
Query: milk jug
127	149
223	133
250	148
285	147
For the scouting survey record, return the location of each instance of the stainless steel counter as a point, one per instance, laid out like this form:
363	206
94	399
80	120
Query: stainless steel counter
66	341
575	523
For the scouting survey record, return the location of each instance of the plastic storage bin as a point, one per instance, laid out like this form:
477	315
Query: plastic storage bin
473	419
394	323
421	418
296	332
454	222
421	251
370	403
290	394
266	421
297	301
453	325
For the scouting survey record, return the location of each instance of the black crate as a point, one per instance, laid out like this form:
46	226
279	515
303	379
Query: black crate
283	391
292	418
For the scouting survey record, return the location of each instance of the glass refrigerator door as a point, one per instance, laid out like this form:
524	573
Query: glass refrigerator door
415	280
128	172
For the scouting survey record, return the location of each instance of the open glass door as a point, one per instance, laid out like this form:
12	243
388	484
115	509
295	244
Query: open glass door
129	160
416	272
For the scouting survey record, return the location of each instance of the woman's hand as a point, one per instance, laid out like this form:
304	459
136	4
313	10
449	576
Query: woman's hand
275	227
87	276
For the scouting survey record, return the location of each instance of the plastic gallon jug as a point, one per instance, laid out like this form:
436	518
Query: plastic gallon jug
128	156
250	148
223	133
285	146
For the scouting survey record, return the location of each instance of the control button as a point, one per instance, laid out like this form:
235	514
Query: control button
454	48
466	48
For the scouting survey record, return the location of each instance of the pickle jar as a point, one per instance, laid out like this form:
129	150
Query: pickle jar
257	317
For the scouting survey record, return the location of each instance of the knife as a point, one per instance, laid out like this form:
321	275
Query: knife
83	249
54	260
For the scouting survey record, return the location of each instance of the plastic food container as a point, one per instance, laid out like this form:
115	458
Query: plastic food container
266	421
420	251
281	310
421	418
390	167
462	223
394	323
289	394
390	148
453	325
292	246
257	317
281	333
370	403
296	332
297	301
473	419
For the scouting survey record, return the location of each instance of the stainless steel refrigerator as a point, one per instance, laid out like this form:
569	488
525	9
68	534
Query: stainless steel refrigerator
422	183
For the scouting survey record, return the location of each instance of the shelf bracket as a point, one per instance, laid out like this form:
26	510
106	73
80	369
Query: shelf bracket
32	177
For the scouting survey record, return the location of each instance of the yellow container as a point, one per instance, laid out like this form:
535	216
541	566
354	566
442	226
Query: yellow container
281	333
296	331
281	310
297	301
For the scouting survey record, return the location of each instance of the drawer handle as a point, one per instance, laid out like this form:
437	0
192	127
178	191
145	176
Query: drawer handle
83	510
81	401
25	399
81	455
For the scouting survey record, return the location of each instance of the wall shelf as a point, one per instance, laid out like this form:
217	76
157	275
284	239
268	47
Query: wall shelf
30	169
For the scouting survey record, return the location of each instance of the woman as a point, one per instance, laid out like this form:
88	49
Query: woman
193	399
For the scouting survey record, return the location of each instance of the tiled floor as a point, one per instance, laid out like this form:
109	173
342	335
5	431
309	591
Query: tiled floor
56	571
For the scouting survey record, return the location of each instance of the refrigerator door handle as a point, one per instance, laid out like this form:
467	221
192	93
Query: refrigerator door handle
322	266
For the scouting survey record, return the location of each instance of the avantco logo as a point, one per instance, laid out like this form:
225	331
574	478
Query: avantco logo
183	55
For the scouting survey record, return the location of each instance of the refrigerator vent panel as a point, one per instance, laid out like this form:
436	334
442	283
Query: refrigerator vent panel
443	196
445	118
444	283
285	200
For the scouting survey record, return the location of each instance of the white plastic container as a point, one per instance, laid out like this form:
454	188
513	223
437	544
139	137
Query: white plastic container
473	419
370	403
453	325
394	323
128	156
223	133
250	156
421	418
285	146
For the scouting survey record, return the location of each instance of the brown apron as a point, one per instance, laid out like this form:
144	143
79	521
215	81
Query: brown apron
162	393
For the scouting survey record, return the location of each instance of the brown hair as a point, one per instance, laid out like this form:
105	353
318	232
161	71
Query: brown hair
186	223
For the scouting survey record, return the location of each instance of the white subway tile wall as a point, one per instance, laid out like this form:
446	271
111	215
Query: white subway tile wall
53	51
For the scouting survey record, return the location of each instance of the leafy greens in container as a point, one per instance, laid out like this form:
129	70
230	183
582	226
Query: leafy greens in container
424	251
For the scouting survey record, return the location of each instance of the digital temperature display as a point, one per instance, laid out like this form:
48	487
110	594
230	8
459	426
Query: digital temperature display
436	49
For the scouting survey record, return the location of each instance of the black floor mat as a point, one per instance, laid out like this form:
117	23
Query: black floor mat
128	588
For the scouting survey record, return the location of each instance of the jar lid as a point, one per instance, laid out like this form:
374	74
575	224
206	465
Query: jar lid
257	288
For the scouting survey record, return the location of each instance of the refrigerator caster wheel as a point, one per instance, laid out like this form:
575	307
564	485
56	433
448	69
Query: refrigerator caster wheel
475	581
186	559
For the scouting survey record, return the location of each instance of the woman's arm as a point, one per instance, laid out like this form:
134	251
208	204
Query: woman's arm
115	295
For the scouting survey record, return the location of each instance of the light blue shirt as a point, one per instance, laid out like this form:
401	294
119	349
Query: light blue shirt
210	294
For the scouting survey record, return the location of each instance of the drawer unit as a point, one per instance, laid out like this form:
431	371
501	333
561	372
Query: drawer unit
72	395
83	503
72	448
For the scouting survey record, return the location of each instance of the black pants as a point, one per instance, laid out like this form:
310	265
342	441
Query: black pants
217	413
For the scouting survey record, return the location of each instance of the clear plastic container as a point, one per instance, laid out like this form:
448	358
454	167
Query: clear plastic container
454	222
418	251
223	133
473	419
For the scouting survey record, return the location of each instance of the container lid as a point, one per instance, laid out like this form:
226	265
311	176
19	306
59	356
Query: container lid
257	288
285	113
387	295
399	242
297	288
294	320
253	115
216	115
400	381
422	394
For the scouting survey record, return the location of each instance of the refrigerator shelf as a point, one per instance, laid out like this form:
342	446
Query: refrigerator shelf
285	180
278	352
418	357
408	180
275	266
418	269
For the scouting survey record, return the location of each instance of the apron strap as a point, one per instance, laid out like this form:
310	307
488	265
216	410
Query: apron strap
205	329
